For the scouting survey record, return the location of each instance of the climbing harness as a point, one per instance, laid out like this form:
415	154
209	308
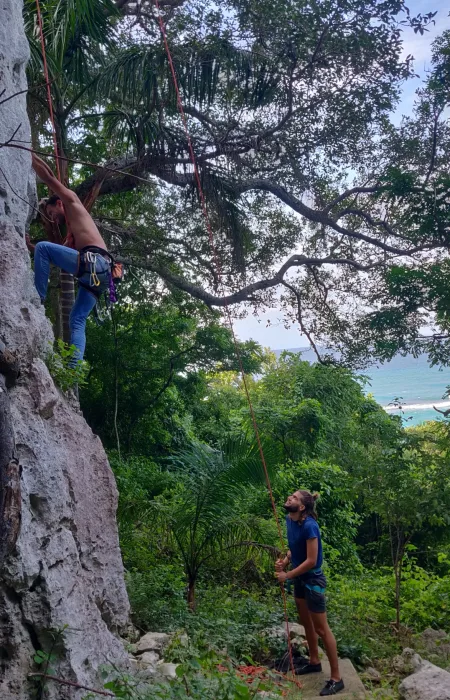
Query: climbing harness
227	310
99	273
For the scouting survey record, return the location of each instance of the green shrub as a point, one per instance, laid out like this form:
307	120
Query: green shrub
207	676
235	620
58	362
157	597
362	613
360	609
425	598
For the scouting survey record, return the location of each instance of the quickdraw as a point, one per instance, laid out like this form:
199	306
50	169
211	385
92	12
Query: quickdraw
95	271
91	259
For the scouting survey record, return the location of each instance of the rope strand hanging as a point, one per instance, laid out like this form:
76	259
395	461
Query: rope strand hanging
227	310
47	82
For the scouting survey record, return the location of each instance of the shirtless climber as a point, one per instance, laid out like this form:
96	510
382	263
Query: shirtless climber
83	254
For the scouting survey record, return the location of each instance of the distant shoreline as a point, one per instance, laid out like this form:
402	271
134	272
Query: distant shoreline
404	385
418	406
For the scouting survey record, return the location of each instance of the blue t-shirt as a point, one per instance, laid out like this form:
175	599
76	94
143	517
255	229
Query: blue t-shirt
298	534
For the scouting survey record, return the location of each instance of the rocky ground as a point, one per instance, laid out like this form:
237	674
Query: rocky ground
421	679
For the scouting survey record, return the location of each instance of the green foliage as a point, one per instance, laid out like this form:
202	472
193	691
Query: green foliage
157	595
151	361
45	659
425	598
336	508
202	519
59	366
236	620
361	608
209	676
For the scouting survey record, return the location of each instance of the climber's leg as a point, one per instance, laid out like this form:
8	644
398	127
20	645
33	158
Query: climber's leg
61	256
83	306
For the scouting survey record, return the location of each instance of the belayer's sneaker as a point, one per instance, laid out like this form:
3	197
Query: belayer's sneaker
303	669
332	687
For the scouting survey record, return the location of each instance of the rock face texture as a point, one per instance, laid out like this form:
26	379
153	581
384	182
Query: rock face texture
63	564
428	682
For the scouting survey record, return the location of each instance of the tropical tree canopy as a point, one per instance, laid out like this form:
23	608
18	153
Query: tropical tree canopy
318	201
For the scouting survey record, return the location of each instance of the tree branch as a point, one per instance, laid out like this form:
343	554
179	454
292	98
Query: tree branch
300	321
319	216
62	681
348	193
246	292
370	221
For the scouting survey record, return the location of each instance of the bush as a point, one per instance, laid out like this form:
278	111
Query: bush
58	363
226	618
235	620
362	612
158	598
425	599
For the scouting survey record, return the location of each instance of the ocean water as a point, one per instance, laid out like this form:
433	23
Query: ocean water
407	380
414	383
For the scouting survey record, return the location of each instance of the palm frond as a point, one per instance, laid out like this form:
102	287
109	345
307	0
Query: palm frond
224	203
205	73
134	75
76	33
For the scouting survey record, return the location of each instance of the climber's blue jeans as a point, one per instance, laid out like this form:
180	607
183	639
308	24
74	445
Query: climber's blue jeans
67	259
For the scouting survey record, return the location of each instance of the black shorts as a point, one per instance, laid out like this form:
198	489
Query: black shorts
315	600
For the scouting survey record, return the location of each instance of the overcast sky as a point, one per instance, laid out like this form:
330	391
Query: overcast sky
275	335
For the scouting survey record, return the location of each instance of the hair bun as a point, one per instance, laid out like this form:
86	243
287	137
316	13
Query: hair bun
315	496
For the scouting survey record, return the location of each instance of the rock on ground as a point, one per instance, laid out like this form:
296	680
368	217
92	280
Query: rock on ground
66	567
166	669
148	658
153	641
435	642
428	682
371	675
279	631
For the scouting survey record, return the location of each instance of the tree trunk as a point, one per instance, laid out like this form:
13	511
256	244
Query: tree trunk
398	549
53	296
398	574
63	566
67	299
191	595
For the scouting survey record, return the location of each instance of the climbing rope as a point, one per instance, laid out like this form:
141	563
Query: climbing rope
47	82
216	261
227	309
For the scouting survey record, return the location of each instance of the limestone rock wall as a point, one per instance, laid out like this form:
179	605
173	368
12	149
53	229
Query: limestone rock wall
66	567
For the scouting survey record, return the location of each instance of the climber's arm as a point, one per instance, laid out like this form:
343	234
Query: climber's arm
46	175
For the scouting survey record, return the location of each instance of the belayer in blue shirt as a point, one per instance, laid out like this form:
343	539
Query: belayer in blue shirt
305	557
